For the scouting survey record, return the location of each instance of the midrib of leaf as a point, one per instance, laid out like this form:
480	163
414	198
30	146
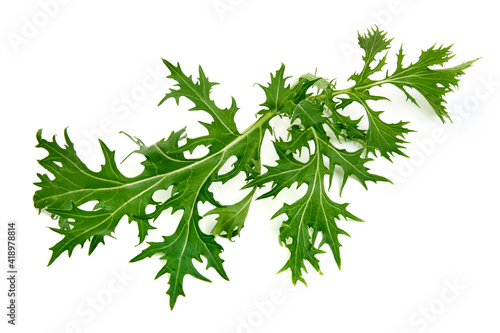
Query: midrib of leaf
276	98
394	78
368	61
168	157
322	190
313	187
244	207
256	126
190	220
317	179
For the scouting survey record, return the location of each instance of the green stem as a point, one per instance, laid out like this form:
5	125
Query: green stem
333	93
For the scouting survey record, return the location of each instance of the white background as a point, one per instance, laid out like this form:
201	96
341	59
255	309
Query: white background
437	226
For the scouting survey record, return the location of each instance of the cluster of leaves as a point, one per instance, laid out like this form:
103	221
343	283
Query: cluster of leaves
319	123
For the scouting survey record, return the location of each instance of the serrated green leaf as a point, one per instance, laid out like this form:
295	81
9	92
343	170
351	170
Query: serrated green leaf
431	83
281	98
372	43
178	250
315	212
164	166
386	138
231	218
278	92
73	185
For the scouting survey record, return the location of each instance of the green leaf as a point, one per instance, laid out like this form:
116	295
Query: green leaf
231	218
384	137
431	83
164	166
178	250
222	130
315	212
281	98
278	93
74	184
372	43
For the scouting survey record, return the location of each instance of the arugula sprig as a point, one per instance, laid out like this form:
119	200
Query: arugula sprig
320	123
